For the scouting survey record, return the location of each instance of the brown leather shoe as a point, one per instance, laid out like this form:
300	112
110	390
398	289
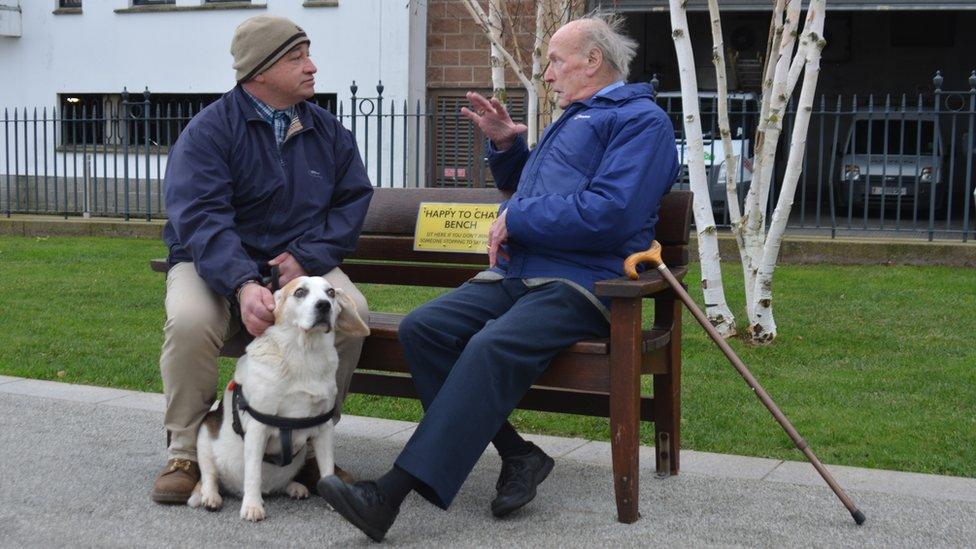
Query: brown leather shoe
309	475
175	482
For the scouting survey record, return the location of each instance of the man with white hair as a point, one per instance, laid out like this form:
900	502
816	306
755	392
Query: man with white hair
584	199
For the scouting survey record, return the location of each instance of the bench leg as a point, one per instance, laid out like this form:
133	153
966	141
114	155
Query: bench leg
625	340
667	404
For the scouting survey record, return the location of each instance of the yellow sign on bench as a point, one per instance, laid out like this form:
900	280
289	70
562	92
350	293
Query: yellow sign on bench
454	227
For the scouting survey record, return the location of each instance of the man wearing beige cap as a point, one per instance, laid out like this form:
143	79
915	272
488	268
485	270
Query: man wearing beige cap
259	178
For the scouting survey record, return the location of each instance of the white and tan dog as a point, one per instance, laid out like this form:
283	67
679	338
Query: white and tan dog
290	372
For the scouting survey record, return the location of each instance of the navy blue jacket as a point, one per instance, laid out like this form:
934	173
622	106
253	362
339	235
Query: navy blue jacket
235	201
588	195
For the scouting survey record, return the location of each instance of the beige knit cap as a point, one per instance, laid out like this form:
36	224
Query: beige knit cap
262	40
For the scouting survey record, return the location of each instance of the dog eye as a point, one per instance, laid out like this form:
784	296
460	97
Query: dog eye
330	292
300	293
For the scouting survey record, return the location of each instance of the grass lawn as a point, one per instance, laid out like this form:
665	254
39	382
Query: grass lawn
875	366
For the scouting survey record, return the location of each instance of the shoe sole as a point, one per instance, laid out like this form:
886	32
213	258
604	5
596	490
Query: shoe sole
334	494
170	498
539	477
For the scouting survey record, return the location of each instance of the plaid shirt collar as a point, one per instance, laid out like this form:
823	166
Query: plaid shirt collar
280	120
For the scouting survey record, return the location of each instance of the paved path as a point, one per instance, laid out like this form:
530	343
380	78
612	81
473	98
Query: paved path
78	462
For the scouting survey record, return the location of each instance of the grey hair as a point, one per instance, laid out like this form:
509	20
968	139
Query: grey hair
604	31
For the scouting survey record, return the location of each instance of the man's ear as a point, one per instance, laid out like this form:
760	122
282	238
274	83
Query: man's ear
348	322
594	61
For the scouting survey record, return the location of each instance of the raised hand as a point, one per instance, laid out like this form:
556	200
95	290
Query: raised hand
492	118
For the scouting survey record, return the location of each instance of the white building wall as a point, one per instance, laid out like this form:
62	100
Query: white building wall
102	51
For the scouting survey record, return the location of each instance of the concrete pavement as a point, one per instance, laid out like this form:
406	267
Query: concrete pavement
78	463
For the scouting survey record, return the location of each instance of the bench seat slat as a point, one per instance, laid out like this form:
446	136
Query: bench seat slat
539	397
583	366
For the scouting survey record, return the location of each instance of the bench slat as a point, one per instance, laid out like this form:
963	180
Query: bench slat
541	398
583	366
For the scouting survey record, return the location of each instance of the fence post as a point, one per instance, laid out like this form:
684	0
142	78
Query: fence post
124	134
6	154
936	105
970	144
352	111
145	137
379	134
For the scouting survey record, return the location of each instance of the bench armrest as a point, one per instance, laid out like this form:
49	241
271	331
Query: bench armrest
649	283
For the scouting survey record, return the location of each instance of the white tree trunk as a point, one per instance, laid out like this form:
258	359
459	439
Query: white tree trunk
538	89
716	308
497	62
767	138
763	329
718	58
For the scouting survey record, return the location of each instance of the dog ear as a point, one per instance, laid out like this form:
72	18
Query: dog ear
348	322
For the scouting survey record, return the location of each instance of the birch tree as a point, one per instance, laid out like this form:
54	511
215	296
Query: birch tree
762	327
716	307
758	250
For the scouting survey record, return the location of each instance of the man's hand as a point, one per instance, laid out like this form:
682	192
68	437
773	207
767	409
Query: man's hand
497	235
288	268
257	308
492	118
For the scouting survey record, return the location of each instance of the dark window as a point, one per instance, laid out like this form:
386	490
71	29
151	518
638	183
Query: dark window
910	139
83	119
69	3
458	158
151	2
325	100
162	117
111	119
923	29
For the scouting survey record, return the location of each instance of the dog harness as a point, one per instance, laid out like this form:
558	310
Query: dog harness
285	425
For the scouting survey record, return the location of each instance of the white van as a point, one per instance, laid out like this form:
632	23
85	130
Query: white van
898	162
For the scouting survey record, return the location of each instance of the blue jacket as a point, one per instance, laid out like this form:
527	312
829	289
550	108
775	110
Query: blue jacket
235	201
588	195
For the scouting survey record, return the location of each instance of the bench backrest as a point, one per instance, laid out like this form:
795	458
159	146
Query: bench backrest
385	253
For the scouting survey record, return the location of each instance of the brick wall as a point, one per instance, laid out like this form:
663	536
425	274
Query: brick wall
458	52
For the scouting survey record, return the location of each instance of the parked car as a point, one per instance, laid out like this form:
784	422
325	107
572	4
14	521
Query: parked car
898	162
743	112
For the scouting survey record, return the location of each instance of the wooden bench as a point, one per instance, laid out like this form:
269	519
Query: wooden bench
598	377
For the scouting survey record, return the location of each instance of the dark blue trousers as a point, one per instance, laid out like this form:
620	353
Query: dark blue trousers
473	354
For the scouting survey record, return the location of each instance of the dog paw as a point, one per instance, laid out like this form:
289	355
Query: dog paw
296	491
253	511
211	501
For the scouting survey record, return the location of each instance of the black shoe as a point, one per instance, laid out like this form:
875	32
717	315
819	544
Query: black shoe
519	477
362	504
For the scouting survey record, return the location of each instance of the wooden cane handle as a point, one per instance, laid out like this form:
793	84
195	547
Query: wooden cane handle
651	255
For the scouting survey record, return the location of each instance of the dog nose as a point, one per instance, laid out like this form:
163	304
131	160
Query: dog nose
323	307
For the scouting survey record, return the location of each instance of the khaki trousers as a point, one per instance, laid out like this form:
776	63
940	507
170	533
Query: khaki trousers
198	321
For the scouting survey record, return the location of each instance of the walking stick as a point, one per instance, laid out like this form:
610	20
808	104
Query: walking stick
653	256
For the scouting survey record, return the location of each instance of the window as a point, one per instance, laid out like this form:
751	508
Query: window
151	2
69	3
459	148
107	119
82	118
923	29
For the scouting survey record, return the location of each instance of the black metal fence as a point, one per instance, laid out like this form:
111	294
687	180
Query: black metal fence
874	165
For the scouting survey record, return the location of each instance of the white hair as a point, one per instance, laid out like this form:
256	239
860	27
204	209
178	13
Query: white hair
604	31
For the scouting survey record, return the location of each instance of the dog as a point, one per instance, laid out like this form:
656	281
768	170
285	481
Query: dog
284	388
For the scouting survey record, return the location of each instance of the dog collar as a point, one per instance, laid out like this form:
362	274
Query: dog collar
285	425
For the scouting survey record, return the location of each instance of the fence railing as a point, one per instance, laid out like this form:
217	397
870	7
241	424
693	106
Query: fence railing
874	165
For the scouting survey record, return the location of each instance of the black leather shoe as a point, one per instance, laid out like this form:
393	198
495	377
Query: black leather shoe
363	504
518	480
